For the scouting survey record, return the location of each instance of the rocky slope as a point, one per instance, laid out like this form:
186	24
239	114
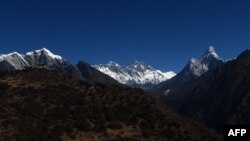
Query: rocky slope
92	75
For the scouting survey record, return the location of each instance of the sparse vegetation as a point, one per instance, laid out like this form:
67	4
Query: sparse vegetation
49	106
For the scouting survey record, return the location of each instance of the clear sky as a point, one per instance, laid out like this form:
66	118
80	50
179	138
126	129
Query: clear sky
162	33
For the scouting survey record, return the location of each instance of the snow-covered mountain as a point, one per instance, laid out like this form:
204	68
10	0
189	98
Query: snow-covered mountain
12	61
44	56
209	60
196	67
137	73
16	61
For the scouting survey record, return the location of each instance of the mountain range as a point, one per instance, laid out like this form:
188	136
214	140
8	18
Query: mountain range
16	61
43	58
138	74
208	89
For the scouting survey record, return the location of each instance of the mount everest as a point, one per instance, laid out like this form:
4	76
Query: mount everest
135	74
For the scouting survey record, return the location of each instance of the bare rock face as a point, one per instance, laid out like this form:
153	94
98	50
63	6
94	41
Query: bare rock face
6	66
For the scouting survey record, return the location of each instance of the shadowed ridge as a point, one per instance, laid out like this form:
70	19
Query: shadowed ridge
46	105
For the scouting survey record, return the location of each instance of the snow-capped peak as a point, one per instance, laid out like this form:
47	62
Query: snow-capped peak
140	66
15	59
210	52
112	63
10	54
136	73
209	61
13	54
42	51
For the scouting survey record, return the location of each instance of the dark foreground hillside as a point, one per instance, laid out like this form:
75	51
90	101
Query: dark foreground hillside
218	97
48	106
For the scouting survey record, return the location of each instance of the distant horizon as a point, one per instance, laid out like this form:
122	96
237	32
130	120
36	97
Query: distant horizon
124	65
164	34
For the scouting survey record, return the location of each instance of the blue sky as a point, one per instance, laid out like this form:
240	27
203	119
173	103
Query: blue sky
162	33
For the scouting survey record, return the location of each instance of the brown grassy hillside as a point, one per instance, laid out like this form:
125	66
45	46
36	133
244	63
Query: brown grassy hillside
42	105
